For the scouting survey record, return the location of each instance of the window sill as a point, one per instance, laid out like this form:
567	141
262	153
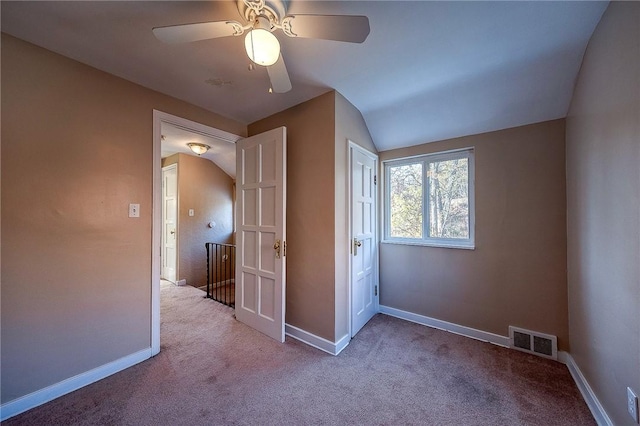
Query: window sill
430	244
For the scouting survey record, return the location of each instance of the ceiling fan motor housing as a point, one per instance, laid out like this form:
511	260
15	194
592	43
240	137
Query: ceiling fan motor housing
273	10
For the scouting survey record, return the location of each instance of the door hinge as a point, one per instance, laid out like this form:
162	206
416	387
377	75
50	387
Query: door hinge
284	248
375	290
375	179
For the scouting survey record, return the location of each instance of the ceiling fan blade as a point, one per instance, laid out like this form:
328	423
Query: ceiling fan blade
353	29
200	31
280	82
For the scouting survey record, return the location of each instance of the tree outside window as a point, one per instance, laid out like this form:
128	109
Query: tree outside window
430	199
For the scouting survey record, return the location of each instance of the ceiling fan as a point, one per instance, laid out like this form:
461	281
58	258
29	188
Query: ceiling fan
263	48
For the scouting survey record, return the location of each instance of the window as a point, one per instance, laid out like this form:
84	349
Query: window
429	200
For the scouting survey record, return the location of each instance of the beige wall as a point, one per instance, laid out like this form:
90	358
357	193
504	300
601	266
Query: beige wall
208	190
318	132
310	212
350	126
603	188
517	273
76	276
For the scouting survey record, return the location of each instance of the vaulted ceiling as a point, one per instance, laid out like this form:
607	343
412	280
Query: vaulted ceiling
428	70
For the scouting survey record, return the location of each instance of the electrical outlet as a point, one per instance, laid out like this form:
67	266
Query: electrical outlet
632	404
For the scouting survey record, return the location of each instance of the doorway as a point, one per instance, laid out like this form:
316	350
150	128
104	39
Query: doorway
161	119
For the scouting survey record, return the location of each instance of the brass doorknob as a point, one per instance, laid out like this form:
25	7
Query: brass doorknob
276	247
356	244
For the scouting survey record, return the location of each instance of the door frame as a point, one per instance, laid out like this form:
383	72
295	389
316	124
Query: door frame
352	145
163	212
159	118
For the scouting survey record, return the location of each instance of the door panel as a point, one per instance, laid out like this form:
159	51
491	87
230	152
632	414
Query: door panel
248	296
260	213
364	298
267	298
268	207
250	199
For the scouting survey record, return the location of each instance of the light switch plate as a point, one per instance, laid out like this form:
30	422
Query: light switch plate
134	210
191	212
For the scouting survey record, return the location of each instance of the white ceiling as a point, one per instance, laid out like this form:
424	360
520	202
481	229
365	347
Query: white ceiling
428	70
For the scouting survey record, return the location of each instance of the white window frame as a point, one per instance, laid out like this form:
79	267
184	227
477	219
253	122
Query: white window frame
425	159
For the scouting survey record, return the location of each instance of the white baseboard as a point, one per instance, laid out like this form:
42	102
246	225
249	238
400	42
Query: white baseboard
342	343
598	411
333	348
42	396
224	282
485	336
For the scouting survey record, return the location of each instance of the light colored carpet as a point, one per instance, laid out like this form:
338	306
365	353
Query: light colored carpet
213	370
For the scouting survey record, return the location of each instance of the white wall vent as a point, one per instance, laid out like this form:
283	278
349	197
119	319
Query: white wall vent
544	345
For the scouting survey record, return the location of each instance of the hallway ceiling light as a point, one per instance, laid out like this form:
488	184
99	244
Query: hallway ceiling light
198	148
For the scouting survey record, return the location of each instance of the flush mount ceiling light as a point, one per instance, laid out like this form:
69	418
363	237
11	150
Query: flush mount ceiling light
262	47
199	148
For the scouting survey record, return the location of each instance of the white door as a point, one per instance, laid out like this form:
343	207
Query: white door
260	242
169	221
364	248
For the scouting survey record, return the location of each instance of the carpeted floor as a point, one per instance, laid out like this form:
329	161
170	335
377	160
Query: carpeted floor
213	370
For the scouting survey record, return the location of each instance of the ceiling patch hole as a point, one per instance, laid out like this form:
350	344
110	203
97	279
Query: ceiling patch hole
219	82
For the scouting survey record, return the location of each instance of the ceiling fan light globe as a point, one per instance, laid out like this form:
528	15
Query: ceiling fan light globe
262	47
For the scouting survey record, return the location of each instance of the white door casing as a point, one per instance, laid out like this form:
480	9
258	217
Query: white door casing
169	222
364	247
160	118
261	232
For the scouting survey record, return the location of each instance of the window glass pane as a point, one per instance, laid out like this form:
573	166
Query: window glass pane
405	198
449	198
